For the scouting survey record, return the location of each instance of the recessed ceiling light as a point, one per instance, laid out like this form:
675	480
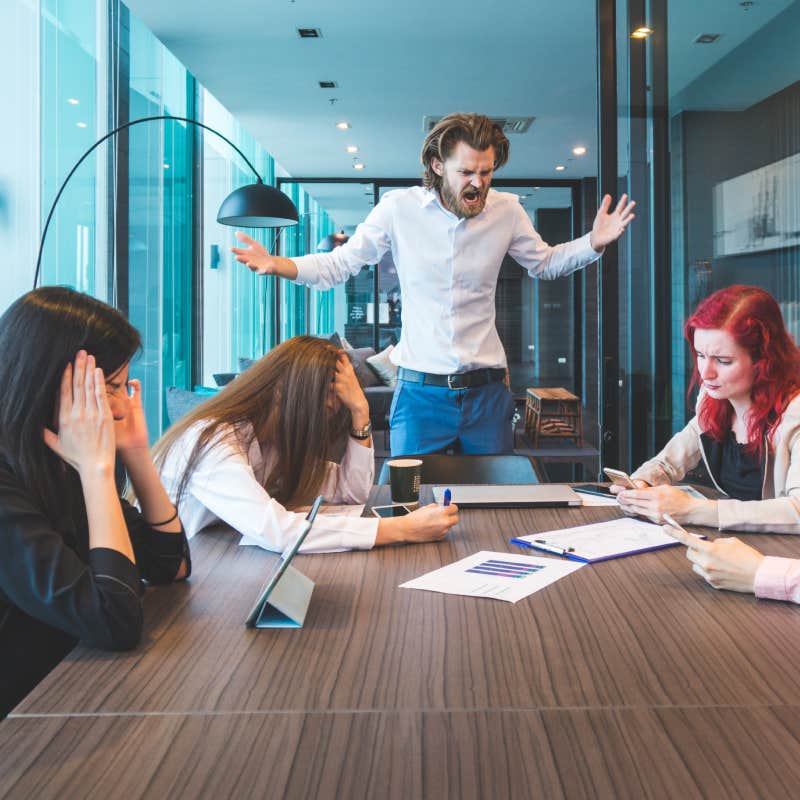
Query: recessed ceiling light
351	148
523	197
343	126
707	38
580	150
166	166
73	101
358	165
328	84
642	32
560	168
81	124
309	33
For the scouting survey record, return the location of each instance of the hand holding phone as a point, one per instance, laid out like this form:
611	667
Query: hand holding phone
619	478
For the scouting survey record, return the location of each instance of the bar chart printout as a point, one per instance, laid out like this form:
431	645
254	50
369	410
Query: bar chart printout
501	576
506	569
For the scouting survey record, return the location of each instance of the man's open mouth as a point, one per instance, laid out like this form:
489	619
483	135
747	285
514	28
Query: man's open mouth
472	197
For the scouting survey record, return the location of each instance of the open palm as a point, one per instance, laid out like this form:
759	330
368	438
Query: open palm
609	226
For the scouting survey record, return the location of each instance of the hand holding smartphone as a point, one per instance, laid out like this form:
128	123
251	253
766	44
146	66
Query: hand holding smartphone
619	478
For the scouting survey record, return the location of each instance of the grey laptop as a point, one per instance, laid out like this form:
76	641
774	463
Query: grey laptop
525	495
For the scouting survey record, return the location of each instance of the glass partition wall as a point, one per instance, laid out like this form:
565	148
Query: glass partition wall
708	110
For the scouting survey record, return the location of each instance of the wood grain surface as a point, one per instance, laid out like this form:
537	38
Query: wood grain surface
602	753
622	679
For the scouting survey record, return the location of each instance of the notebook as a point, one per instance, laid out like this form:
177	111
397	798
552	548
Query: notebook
600	541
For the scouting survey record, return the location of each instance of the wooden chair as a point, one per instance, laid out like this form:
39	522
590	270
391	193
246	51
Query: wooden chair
554	413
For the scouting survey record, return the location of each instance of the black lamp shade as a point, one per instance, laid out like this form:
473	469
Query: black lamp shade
257	206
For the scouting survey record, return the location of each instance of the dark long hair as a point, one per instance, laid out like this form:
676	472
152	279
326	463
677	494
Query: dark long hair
753	318
283	397
40	334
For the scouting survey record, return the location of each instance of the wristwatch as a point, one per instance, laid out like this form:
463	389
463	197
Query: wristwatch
362	433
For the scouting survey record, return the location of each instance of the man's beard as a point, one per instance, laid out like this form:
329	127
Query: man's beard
455	202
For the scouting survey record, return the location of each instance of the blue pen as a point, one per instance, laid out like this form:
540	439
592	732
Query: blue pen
447	496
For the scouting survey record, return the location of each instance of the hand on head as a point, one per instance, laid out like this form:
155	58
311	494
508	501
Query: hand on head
85	438
346	387
131	427
725	563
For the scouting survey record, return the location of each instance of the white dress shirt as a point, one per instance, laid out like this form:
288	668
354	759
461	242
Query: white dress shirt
448	268
226	486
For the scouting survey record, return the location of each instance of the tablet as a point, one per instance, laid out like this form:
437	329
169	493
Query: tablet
281	565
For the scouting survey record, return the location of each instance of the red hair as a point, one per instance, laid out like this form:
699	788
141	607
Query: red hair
753	318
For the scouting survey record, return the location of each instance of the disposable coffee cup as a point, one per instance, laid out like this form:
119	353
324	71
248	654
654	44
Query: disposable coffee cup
404	480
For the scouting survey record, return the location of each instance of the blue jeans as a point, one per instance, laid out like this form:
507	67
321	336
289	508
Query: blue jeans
430	419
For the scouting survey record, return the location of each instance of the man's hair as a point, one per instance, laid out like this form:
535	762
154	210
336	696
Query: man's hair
475	130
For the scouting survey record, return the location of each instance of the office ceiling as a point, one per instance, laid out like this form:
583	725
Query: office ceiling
396	63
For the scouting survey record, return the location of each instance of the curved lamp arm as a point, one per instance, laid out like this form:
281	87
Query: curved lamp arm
108	136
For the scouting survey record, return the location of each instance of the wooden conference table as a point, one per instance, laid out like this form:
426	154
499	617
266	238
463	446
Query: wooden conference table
630	678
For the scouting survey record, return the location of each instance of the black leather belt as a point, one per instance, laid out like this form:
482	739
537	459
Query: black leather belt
458	380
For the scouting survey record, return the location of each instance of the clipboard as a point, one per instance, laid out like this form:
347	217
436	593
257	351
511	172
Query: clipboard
600	541
283	602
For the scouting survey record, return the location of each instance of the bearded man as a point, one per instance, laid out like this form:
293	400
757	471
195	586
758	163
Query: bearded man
448	239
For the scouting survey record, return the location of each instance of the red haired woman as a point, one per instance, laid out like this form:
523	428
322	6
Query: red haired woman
746	431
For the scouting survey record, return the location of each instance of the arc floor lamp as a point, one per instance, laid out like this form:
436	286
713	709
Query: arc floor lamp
256	205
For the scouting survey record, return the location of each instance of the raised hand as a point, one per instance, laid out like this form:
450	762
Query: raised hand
131	429
85	438
258	259
608	227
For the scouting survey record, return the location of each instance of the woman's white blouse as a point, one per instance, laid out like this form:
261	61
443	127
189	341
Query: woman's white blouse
225	486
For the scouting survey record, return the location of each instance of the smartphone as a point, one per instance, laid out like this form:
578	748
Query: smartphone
389	512
619	477
593	488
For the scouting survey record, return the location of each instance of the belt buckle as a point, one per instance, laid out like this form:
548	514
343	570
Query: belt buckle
450	386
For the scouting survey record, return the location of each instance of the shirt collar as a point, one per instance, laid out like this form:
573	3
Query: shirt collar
428	196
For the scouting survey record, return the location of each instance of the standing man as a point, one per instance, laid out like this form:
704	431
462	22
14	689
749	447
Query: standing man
448	240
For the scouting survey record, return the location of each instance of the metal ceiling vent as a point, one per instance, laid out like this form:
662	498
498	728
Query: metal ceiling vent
507	124
309	33
707	38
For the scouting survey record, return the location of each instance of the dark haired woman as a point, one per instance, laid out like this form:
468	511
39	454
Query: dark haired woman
71	552
746	432
267	445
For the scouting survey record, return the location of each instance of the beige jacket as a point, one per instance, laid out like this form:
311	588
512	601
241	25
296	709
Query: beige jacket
777	512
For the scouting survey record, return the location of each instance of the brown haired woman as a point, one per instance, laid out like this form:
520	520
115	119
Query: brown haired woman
266	445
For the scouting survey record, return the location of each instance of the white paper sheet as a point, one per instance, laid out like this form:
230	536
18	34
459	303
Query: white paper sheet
501	576
606	539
